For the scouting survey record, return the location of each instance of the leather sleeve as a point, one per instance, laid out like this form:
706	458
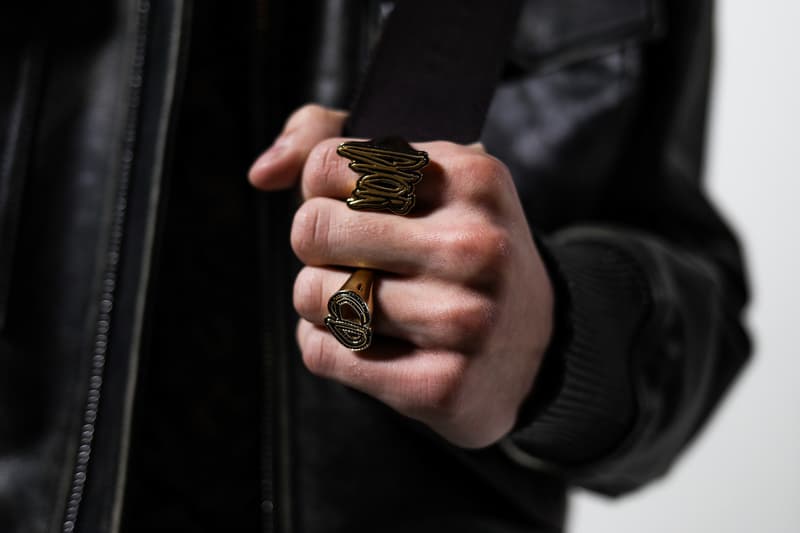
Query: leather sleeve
649	279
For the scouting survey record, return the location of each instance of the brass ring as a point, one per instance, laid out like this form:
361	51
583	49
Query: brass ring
389	170
350	311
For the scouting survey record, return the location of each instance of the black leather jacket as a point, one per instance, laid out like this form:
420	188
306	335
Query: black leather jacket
148	375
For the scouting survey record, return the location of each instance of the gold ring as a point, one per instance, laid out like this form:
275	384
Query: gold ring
389	170
350	311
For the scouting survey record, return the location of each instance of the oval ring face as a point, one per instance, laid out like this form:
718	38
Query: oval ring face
349	320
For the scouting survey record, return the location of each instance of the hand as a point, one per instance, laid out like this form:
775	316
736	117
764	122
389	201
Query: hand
463	303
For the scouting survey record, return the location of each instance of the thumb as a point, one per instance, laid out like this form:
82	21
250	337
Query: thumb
280	165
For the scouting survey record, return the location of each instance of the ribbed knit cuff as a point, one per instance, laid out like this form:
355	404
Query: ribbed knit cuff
582	404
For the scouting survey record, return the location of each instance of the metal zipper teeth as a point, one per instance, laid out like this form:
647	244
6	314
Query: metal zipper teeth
107	293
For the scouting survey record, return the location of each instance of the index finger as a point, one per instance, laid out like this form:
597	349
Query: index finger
280	166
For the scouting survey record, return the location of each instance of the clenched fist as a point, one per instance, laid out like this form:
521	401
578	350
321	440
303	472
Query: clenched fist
463	304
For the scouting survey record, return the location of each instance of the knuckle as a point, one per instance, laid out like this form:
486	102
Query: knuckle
482	248
482	165
498	246
457	245
441	393
470	323
485	177
305	114
322	168
493	167
310	231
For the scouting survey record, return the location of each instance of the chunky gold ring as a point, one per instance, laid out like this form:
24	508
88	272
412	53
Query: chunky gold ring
389	170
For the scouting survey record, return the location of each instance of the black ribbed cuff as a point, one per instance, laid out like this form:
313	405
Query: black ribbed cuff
582	404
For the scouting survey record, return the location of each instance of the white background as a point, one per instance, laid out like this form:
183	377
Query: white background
743	476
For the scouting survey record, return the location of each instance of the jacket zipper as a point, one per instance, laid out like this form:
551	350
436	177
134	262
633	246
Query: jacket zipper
109	282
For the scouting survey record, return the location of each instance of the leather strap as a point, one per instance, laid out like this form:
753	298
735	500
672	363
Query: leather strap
434	70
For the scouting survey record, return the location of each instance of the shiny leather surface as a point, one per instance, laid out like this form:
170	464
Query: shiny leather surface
74	166
80	267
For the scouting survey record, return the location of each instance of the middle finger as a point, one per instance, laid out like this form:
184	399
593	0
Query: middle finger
327	232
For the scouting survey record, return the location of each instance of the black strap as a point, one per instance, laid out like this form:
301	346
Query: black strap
434	70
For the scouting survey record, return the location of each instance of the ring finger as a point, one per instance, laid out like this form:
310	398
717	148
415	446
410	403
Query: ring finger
427	313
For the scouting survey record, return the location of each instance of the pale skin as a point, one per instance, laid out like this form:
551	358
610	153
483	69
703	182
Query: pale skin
463	303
